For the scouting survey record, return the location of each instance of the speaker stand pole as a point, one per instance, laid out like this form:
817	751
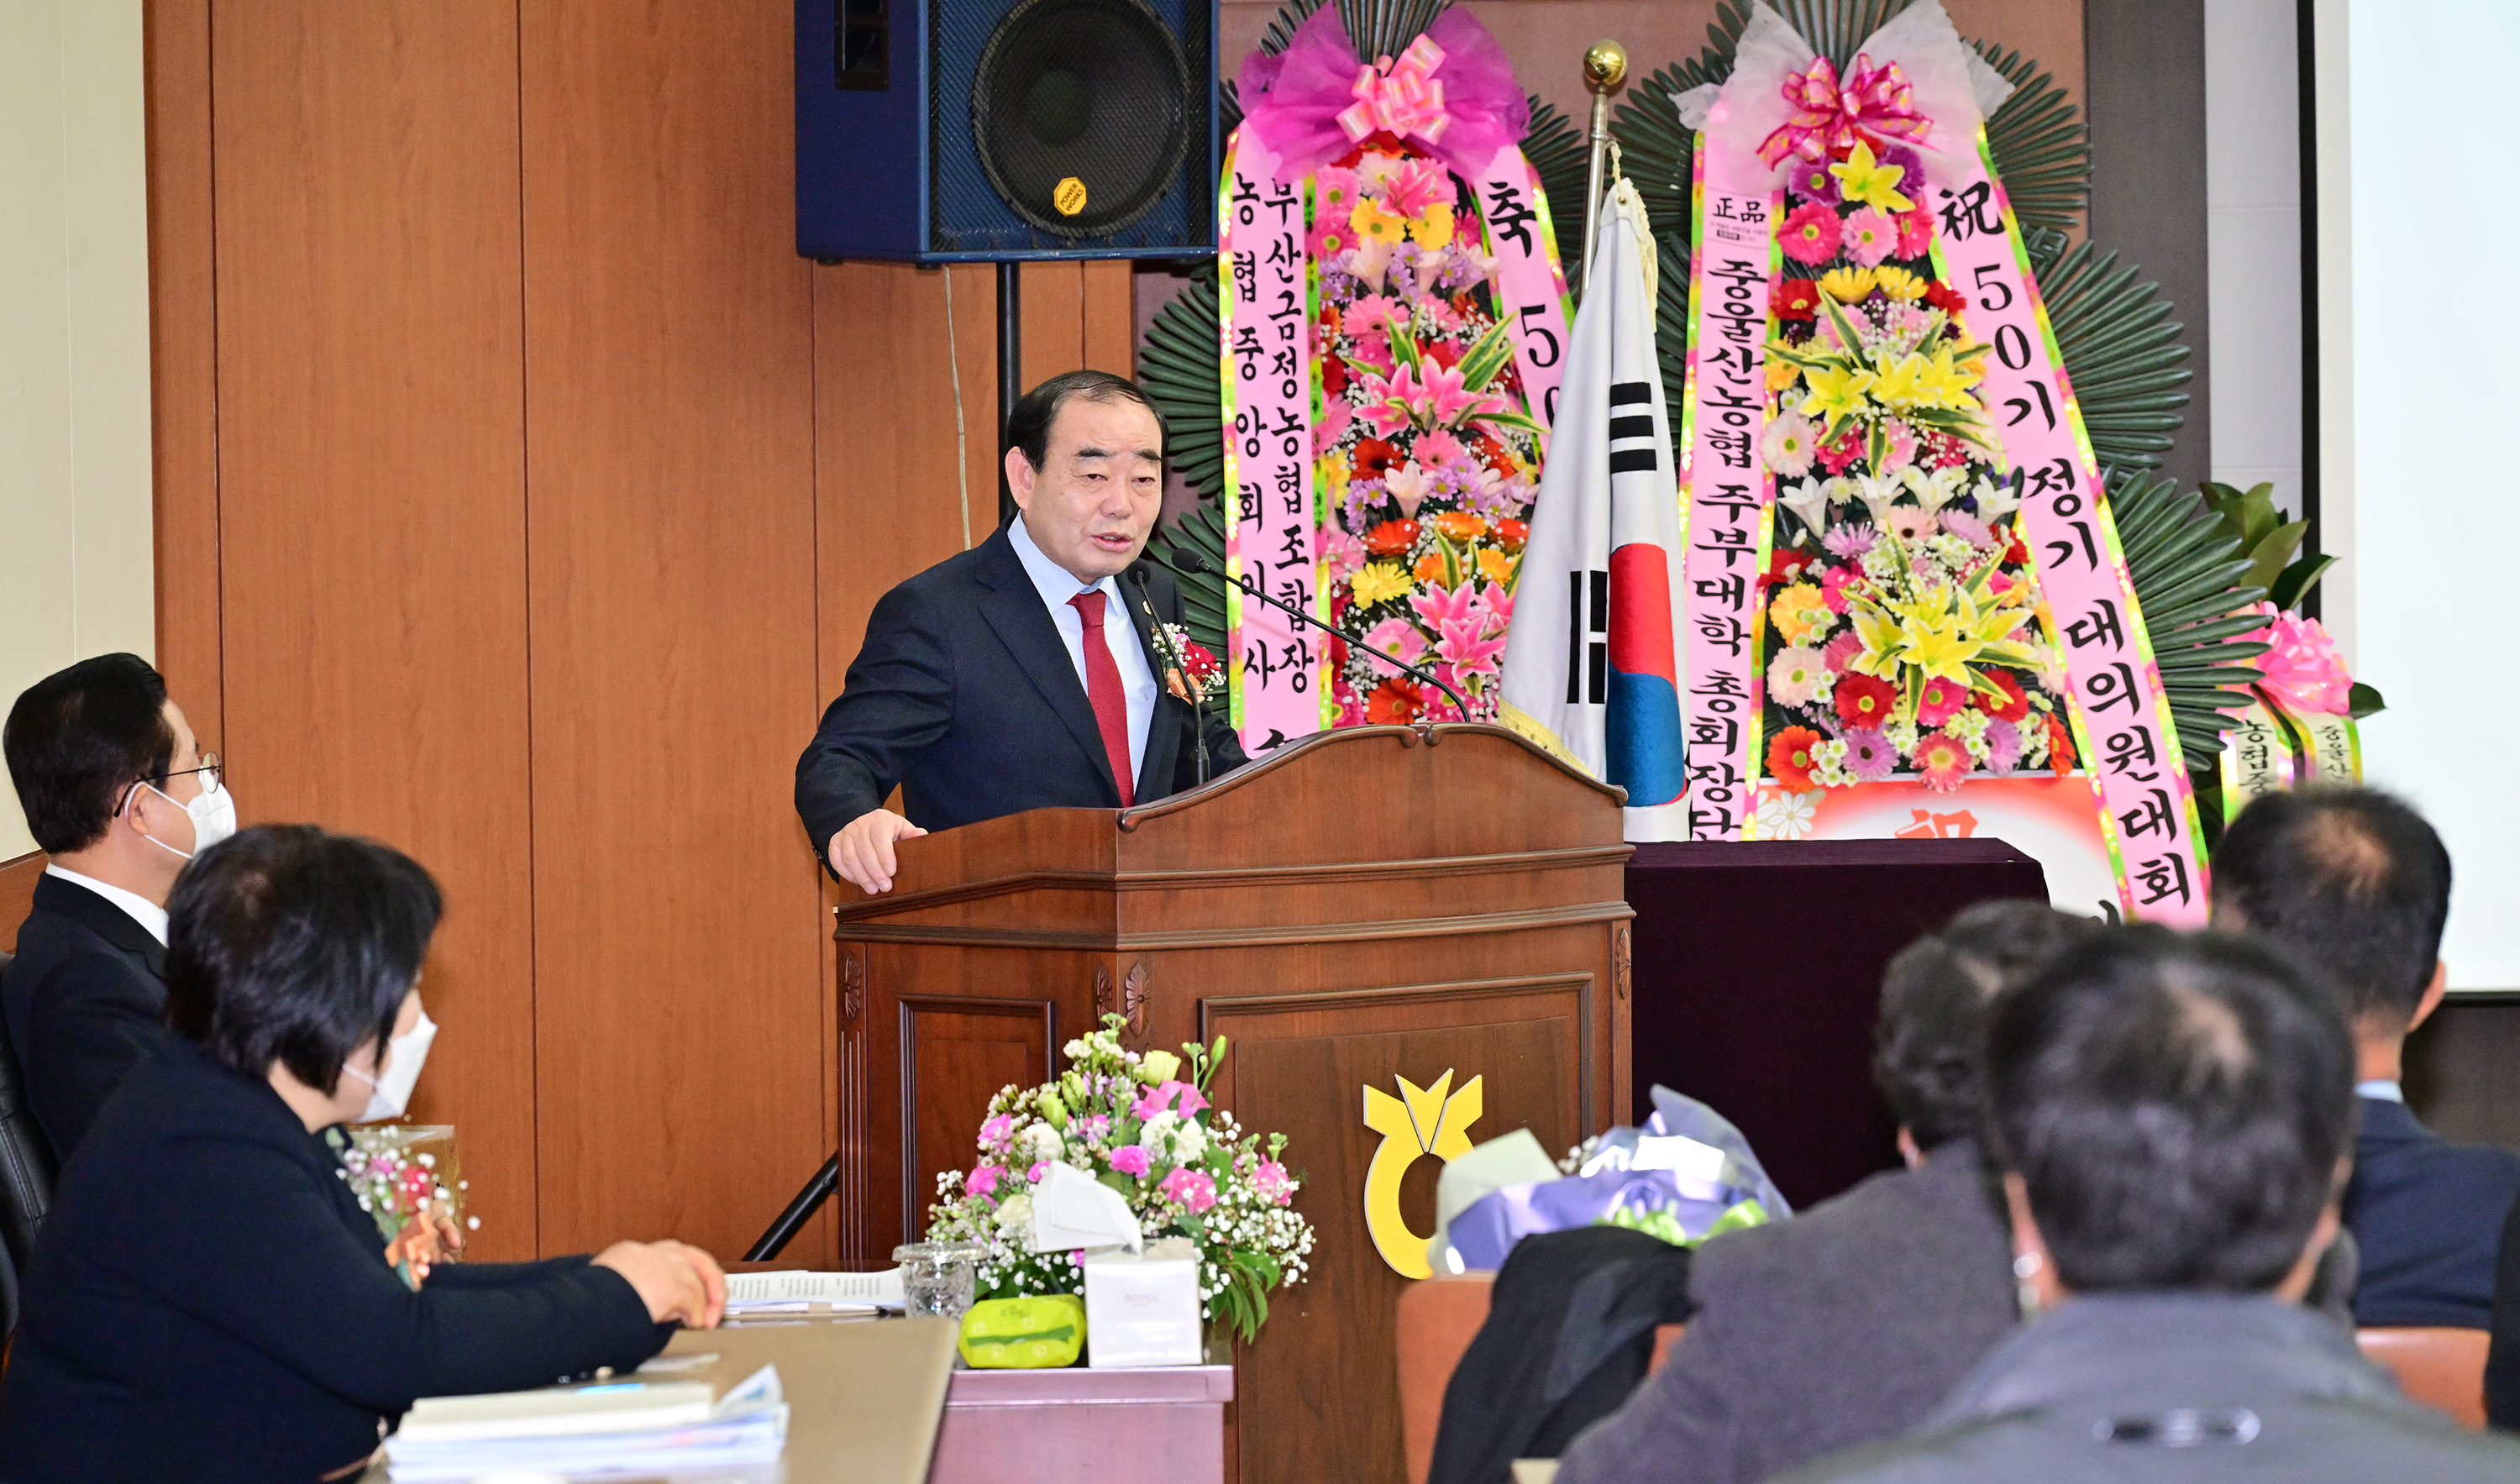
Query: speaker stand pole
1010	387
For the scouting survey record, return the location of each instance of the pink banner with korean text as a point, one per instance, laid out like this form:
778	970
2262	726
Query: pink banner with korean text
2125	732
1378	221
1725	486
1941	633
1273	672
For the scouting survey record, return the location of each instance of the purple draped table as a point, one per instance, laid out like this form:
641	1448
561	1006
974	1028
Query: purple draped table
1758	975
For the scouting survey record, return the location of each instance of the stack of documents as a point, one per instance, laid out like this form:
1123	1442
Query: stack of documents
642	1424
800	1293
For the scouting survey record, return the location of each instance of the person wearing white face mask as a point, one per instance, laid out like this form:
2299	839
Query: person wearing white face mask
206	1277
120	795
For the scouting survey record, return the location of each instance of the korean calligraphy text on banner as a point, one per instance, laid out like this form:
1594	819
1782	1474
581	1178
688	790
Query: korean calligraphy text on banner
1394	325
1907	609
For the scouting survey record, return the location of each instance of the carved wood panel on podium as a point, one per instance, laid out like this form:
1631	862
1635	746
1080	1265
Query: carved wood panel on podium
1362	907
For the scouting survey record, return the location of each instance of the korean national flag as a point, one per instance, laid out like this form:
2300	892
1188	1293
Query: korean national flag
1592	664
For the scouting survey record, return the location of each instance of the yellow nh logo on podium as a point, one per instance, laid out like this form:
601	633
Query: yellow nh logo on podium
1420	1121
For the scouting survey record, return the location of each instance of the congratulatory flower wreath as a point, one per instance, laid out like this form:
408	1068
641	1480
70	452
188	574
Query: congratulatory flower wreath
1186	1168
1901	623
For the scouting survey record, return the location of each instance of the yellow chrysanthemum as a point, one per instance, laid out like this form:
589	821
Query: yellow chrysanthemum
1799	613
1495	566
1375	225
1380	581
1848	284
1434	229
1898	284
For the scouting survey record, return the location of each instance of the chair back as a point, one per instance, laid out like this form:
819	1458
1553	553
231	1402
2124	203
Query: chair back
2440	1367
27	1171
1438	1318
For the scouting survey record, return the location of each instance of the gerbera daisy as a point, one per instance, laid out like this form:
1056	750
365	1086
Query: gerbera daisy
1943	759
1790	757
1794	676
1867	235
1865	701
1940	699
1810	234
1868	755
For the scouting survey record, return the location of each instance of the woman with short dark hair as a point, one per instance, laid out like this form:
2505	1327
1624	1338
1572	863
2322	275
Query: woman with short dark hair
208	1301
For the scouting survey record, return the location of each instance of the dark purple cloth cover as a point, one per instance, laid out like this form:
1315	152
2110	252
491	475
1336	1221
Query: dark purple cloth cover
1758	974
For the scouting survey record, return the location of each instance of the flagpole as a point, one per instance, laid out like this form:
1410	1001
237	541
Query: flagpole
1606	69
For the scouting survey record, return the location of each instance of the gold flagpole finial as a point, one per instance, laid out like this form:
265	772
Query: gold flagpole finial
1605	71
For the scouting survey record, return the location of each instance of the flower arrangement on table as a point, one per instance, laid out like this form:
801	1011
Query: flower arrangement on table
1185	1167
1428	470
413	1191
1902	626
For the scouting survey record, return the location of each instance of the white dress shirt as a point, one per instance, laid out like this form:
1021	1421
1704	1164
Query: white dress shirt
2385	1089
138	908
1057	585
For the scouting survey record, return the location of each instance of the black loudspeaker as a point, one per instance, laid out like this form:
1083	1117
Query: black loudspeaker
938	131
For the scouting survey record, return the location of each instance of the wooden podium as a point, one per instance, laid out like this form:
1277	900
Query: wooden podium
1363	906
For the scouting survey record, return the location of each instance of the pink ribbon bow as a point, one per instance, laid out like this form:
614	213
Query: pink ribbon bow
1450	92
1875	104
1400	97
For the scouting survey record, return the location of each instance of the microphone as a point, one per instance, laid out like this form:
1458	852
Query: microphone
1196	561
1199	698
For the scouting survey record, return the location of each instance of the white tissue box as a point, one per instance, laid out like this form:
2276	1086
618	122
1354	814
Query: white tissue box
1142	1309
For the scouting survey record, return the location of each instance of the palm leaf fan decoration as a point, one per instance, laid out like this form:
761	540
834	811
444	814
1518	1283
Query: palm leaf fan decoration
1177	364
2039	147
2188	568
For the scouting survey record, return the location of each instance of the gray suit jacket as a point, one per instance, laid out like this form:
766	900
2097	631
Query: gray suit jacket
1843	1325
2178	1386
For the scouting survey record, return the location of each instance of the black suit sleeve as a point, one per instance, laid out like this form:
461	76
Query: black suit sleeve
897	700
271	1263
92	1019
2502	1359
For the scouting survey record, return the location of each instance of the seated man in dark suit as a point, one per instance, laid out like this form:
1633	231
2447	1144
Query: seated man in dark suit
2359	885
1849	1322
116	790
2173	1114
1029	672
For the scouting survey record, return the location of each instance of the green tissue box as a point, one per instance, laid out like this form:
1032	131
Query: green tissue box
1023	1333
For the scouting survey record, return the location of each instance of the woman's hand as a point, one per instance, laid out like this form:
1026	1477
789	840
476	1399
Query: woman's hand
425	1240
678	1282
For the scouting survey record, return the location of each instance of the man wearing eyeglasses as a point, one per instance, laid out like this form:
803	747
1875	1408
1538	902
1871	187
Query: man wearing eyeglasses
118	794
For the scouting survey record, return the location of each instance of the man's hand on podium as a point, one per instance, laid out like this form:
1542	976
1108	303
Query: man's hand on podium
861	852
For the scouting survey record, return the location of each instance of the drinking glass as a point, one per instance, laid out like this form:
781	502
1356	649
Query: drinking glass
936	1277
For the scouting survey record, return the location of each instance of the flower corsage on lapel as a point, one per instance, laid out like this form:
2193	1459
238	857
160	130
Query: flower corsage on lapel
1191	672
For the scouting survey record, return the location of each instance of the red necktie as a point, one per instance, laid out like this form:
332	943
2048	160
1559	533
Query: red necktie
1103	688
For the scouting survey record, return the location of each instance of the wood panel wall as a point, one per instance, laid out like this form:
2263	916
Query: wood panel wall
521	497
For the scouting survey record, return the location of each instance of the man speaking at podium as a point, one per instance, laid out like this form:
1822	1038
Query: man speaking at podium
1023	673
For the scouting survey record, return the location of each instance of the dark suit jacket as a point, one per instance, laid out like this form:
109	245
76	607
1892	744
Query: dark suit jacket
87	999
2502	1355
2427	1214
208	1302
964	695
1846	1325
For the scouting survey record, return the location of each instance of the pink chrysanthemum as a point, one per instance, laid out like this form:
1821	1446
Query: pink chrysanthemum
2002	747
